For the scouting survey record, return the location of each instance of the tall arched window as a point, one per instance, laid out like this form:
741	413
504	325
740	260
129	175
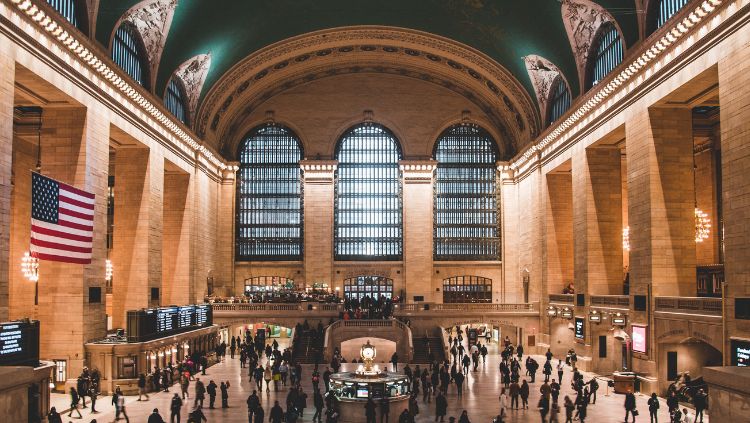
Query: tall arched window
467	289
607	55
559	102
269	196
68	9
368	195
466	209
175	100
663	10
129	54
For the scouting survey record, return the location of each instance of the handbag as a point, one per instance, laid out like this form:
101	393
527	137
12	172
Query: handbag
635	412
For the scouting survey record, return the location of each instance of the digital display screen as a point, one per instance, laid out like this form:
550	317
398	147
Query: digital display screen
145	325
19	343
580	329
740	353
639	339
362	392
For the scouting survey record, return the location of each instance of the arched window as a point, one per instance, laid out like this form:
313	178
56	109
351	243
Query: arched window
269	285
368	195
465	211
368	286
559	102
607	55
68	9
175	100
467	289
129	54
663	10
269	196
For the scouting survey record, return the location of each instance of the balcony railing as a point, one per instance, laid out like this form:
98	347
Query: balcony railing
689	305
561	298
310	307
617	301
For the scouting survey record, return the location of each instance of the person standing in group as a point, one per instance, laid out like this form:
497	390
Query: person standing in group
385	410
700	402
653	408
569	408
224	388
630	406
174	407
515	390
593	387
211	391
200	393
464	418
370	410
441	407
54	416
524	394
394	361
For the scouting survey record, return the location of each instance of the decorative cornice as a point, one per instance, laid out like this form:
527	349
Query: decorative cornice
627	77
88	56
335	49
417	171
193	74
318	171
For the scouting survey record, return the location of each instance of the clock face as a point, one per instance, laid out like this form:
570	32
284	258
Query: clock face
368	352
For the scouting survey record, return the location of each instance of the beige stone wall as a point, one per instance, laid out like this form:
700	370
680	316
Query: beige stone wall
176	286
559	232
7	73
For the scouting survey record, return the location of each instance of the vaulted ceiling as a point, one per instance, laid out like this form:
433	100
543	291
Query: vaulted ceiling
505	31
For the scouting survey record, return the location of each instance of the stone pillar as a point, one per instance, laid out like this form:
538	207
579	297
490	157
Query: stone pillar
597	221
509	240
734	97
661	202
137	243
559	232
176	237
7	91
75	150
318	177
418	228
224	279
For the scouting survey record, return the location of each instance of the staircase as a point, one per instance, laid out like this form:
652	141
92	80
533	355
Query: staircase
423	349
307	347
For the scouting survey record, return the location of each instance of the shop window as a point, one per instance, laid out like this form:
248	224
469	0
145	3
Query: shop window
467	289
368	286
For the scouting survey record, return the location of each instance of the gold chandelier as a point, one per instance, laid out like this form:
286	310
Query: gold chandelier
626	238
30	267
109	271
702	225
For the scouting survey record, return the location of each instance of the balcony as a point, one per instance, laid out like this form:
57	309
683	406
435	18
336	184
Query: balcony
689	305
611	301
562	299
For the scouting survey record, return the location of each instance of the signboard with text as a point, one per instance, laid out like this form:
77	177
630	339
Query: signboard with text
740	353
580	328
19	343
639	339
153	323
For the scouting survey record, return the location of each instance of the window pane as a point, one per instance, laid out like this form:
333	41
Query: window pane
368	195
174	99
667	9
269	196
608	53
127	54
465	210
66	8
560	101
473	290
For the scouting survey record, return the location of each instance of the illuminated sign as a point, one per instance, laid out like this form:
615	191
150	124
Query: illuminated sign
19	343
639	339
580	329
740	353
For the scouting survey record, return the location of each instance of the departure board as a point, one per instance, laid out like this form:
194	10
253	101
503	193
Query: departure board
19	343
147	324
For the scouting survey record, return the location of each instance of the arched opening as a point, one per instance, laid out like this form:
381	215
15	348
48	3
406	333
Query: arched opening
175	99
607	52
660	11
367	208
129	53
559	101
686	357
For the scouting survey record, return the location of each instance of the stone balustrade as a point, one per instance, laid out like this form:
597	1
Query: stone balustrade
611	301
689	305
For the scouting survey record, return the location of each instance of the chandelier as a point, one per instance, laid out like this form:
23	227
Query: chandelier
30	267
626	238
109	271
702	225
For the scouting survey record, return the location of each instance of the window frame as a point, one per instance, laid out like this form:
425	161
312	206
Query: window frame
79	14
339	241
554	96
596	53
176	91
380	285
653	14
264	170
137	51
476	169
477	293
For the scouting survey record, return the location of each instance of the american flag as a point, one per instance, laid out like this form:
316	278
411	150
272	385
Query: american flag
62	221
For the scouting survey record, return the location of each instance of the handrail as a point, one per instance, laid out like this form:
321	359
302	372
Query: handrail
400	308
691	305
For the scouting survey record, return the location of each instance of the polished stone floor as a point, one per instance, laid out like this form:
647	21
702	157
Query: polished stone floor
480	399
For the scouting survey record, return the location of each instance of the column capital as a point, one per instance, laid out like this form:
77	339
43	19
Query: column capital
417	171
229	174
506	171
318	171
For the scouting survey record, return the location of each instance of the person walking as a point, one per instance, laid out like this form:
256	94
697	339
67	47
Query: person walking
700	402
155	417
74	400
184	385
259	415
267	376
441	407
515	390
200	393
630	406
224	388
121	407
525	394
554	412
277	413
653	408
543	407
503	403
547	371
93	395
54	416
593	387
318	404
385	410
174	407
211	391
464	418
459	380
560	368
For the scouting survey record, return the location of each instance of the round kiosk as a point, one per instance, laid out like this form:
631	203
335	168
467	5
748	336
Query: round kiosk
352	389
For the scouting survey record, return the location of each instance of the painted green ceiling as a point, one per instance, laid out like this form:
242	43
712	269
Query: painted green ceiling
505	30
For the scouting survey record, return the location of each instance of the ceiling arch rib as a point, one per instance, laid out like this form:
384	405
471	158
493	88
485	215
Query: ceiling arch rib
152	19
369	49
582	19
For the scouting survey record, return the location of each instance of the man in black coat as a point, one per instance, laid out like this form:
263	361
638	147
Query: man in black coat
211	391
155	417
277	414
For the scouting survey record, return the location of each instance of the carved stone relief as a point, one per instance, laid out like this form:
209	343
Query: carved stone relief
193	73
542	73
582	19
152	19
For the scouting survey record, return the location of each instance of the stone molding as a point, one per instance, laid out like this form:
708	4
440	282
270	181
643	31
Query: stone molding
321	172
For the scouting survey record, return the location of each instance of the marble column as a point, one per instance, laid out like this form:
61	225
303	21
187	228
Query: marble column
318	179
176	238
418	228
7	90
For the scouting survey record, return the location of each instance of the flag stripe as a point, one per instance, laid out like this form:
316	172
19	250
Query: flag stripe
72	225
63	258
52	232
85	196
72	213
52	238
71	202
56	251
58	246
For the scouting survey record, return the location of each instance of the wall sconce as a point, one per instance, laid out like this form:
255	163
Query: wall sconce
594	316
30	267
618	319
174	350
552	311
109	271
186	346
567	313
161	354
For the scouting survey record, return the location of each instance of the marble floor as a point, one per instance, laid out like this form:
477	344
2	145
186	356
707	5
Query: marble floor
480	399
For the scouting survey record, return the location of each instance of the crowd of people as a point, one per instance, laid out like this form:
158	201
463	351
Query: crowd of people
367	308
